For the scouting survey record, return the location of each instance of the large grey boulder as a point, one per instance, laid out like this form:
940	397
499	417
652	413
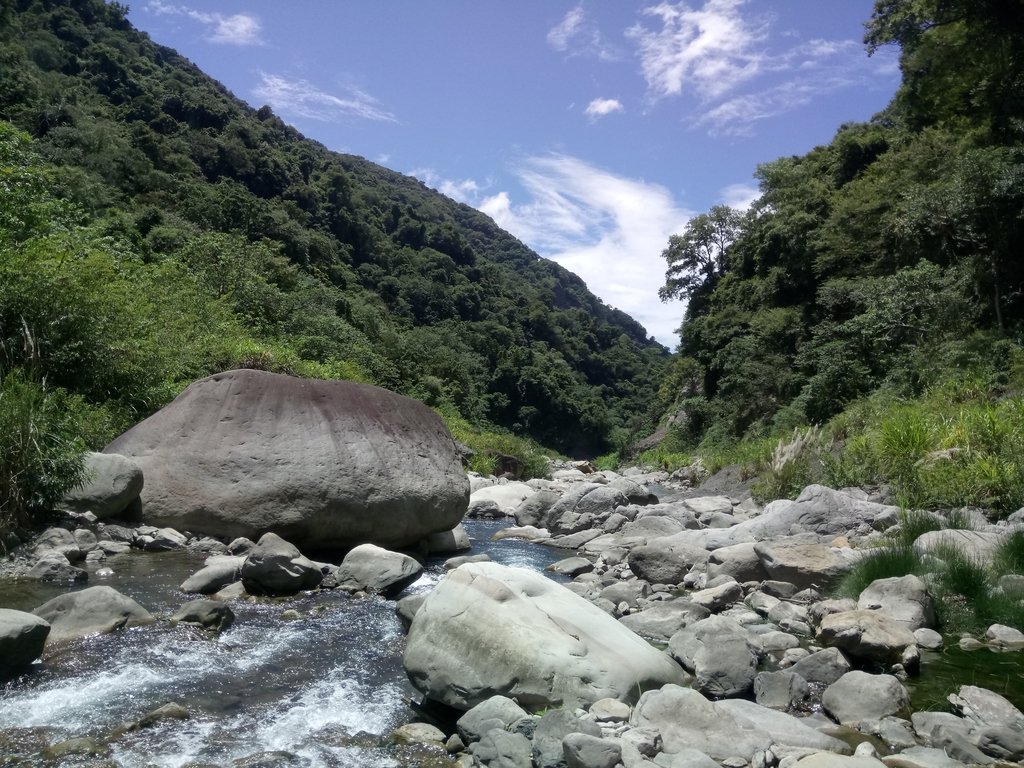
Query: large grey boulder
977	545
785	729
985	709
687	720
22	638
113	483
325	464
380	570
501	749
491	629
803	563
859	697
903	598
276	567
583	506
818	509
716	650
867	635
667	559
584	751
91	611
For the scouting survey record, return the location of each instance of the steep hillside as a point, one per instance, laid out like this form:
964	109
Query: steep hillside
330	264
875	289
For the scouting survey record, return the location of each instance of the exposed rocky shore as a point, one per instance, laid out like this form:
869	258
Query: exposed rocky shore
695	629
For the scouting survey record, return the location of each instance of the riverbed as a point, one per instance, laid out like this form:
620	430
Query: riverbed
321	690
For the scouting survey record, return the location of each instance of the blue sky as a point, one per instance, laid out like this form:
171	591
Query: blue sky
590	130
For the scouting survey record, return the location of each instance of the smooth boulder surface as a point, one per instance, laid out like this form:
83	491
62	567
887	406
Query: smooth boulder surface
114	482
687	720
325	464
867	635
276	567
91	611
375	568
22	638
490	629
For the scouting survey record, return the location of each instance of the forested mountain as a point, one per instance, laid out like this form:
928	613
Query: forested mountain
156	229
888	260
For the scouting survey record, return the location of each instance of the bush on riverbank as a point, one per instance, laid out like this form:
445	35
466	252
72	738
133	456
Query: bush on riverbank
968	593
44	433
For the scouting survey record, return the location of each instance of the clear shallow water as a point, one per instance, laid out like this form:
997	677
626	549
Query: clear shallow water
326	688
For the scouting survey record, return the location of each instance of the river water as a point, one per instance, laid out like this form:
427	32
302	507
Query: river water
322	690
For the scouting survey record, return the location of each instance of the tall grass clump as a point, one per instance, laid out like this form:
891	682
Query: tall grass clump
488	446
966	590
794	464
955	446
44	434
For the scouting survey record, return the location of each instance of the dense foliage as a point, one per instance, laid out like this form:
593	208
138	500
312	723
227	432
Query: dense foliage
172	231
880	265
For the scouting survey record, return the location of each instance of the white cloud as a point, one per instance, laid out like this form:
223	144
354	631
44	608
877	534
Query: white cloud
740	196
726	59
608	229
577	35
601	107
300	98
237	29
463	190
710	50
562	34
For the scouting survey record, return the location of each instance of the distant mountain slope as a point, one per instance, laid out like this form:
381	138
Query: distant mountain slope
334	259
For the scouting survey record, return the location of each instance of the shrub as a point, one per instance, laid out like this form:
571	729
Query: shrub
44	434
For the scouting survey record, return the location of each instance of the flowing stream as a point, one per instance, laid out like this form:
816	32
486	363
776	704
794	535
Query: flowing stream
324	689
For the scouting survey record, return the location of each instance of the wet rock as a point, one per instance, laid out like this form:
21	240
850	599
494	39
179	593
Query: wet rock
825	666
219	571
276	567
22	638
59	540
324	464
571	566
985	708
55	567
208	614
407	607
1003	636
370	567
447	542
488	629
162	540
91	611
